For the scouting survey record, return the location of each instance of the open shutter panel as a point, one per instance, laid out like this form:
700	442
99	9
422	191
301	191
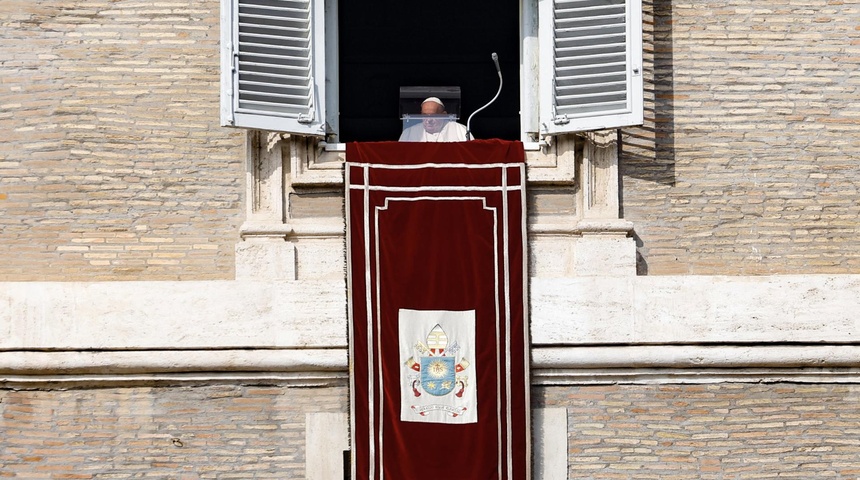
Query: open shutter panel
276	62
596	74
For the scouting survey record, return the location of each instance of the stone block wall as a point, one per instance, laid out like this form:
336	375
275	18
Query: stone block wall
113	165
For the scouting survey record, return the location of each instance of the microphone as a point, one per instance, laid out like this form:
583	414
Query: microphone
495	58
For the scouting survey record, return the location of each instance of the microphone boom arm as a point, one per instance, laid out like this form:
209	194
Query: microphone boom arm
469	121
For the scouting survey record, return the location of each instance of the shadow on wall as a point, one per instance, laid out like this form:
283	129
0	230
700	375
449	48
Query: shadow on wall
648	152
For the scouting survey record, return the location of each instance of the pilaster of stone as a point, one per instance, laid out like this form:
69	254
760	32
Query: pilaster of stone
606	246
326	439
265	252
549	427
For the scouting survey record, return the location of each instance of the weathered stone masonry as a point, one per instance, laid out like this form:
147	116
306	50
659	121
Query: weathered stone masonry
144	333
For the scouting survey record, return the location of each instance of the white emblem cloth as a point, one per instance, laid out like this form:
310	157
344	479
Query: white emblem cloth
437	353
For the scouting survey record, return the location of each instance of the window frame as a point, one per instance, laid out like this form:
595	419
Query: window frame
310	123
552	124
537	76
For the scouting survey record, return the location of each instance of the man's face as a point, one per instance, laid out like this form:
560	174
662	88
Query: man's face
432	125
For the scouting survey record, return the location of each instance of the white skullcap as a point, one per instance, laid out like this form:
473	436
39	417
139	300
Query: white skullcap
434	100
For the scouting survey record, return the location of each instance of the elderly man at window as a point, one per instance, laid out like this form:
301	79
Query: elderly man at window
436	127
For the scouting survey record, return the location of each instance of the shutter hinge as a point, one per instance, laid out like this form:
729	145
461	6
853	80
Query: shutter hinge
305	118
561	120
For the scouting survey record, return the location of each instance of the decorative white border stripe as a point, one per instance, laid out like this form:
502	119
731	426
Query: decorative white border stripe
507	276
526	345
494	212
350	317
369	308
815	359
378	311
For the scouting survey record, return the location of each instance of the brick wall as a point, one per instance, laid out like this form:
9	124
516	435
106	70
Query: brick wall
725	431
180	433
113	166
112	162
747	163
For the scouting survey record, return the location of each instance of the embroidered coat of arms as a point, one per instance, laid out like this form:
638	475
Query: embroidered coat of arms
437	348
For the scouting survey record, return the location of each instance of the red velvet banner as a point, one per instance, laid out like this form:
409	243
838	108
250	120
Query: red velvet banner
438	331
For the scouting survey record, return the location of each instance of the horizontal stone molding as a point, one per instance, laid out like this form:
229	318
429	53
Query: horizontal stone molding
336	228
61	381
294	229
697	356
647	376
583	227
550	365
695	364
173	361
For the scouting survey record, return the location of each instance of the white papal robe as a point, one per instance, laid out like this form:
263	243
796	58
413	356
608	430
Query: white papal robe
451	132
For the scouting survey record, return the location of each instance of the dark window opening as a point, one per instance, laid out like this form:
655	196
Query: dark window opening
386	44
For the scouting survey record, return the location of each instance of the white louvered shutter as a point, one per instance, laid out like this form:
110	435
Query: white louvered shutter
273	61
593	77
